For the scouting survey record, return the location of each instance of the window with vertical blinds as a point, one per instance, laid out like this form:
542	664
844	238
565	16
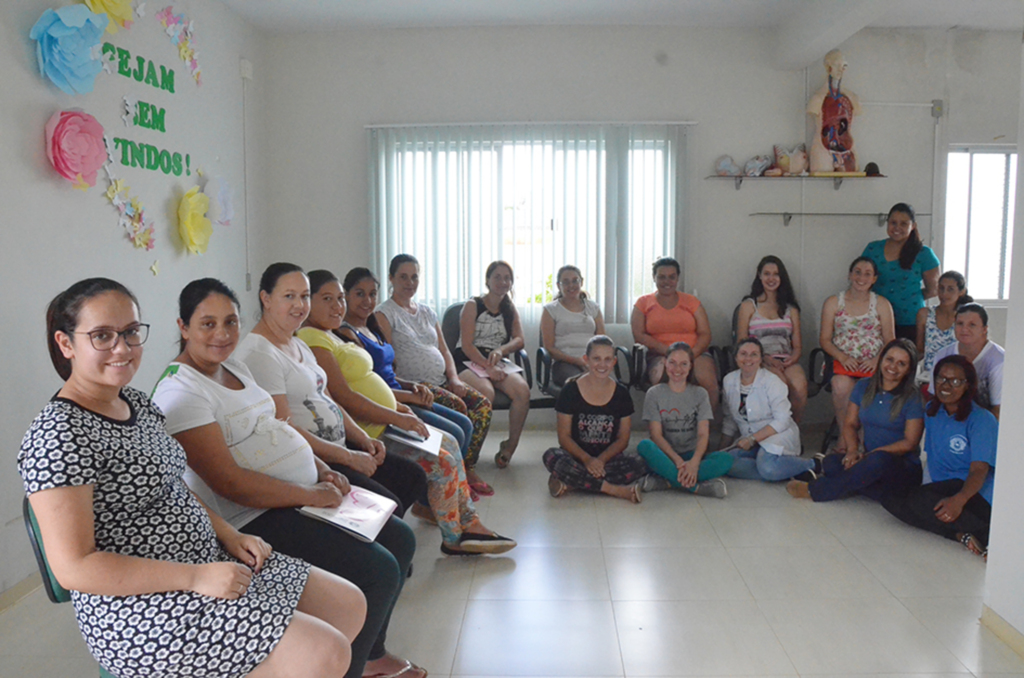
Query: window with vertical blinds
606	198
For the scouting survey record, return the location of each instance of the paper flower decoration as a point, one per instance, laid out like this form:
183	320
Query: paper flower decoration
182	34
65	41
193	226
222	208
119	11
75	146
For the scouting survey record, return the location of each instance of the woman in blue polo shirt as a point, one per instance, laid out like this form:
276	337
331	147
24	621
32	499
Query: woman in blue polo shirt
886	407
960	442
908	270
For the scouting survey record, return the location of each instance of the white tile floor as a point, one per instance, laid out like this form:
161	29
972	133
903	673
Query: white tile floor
757	584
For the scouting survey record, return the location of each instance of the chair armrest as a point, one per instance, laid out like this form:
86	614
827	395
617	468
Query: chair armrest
639	365
625	359
819	371
543	369
720	354
523	360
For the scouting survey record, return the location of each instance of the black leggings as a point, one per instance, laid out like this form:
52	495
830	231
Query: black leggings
917	508
378	569
398	478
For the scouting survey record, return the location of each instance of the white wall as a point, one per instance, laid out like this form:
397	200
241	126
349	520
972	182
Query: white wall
55	235
328	87
1004	590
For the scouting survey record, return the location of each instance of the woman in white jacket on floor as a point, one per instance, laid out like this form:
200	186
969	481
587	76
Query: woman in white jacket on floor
758	410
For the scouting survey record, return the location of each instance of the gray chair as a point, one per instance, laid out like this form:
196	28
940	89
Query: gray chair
54	591
450	329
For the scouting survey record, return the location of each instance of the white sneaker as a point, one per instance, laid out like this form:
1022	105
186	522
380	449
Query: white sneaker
712	488
652	482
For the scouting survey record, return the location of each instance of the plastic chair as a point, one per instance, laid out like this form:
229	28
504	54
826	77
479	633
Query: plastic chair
54	591
820	379
450	329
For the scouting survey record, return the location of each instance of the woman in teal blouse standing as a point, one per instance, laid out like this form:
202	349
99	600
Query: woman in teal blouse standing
908	270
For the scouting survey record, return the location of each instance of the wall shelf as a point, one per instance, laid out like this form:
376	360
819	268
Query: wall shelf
836	181
881	217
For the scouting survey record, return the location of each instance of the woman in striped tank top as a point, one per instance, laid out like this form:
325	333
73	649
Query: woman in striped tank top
771	314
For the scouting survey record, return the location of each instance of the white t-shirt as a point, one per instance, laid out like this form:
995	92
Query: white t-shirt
257	439
414	336
989	366
302	381
573	329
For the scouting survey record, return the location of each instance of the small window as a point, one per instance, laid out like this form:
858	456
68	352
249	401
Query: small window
980	192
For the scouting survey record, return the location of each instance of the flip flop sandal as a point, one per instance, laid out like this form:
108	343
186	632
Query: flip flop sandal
482	488
502	459
409	667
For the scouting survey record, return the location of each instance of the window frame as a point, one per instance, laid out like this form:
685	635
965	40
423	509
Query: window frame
1007	150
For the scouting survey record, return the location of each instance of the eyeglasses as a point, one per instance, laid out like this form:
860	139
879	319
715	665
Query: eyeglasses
570	281
106	340
955	382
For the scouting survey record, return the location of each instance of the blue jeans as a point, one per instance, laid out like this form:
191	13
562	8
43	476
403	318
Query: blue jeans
756	464
875	475
451	422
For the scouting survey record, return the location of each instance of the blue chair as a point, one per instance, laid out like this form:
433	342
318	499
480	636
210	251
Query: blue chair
54	591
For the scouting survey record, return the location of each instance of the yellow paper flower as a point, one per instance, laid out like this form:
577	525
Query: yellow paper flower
119	11
193	226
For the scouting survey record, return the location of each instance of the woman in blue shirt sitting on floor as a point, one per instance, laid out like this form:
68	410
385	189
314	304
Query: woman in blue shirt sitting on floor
887	410
960	444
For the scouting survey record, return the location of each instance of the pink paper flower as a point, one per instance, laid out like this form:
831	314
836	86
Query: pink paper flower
74	145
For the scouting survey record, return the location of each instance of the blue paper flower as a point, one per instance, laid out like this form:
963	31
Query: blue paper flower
65	41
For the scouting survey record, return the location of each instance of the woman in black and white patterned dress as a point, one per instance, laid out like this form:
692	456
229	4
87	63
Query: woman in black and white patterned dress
160	586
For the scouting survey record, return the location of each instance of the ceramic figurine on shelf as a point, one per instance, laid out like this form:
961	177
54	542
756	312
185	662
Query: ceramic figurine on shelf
791	162
725	166
756	166
833	109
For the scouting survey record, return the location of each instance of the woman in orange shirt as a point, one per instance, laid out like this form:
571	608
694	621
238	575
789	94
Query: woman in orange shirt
667	316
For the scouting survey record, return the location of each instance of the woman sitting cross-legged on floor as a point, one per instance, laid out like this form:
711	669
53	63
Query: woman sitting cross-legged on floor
594	413
960	443
886	408
678	414
757	407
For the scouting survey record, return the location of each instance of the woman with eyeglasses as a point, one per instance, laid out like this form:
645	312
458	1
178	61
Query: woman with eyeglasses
960	445
161	585
568	323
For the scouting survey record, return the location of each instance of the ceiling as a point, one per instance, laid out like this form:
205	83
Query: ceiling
290	16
